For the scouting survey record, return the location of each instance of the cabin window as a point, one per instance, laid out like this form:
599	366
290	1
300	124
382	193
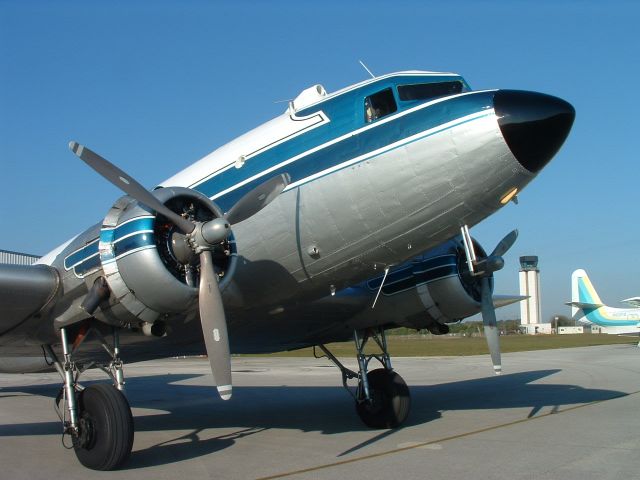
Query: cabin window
379	104
428	91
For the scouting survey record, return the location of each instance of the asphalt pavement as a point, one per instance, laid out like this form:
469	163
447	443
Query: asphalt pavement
554	414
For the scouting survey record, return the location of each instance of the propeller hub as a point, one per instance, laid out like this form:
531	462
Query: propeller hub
209	234
488	265
215	231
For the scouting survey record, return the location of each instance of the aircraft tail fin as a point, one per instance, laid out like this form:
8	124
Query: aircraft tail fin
583	294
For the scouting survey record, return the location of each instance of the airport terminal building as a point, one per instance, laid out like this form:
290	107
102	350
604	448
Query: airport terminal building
17	258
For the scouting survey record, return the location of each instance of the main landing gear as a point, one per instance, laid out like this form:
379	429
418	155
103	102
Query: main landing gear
382	397
97	418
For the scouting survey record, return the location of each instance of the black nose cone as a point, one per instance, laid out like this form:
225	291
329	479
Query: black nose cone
534	125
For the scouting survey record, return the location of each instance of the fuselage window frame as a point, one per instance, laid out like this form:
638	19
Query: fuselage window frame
379	105
421	92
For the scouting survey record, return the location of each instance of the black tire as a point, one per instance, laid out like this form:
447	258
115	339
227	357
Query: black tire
390	400
105	437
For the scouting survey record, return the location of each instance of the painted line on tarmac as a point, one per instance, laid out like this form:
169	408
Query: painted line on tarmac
417	445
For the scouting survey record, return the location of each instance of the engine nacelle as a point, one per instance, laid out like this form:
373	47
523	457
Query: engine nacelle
134	253
434	288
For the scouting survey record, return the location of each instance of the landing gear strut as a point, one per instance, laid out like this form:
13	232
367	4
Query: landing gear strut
382	397
97	418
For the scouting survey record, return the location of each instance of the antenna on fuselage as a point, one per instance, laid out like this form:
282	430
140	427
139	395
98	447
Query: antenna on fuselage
365	67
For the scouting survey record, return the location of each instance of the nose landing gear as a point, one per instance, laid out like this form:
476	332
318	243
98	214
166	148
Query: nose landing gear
389	400
97	418
105	428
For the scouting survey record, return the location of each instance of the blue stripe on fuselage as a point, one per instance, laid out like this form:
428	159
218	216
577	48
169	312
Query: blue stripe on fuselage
137	225
87	265
414	273
366	141
81	255
133	234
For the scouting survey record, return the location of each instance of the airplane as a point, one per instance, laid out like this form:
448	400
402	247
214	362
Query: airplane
587	308
345	216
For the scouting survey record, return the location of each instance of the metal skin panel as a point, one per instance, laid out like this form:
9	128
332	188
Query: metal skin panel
358	219
127	215
452	299
24	365
154	286
341	105
74	288
244	148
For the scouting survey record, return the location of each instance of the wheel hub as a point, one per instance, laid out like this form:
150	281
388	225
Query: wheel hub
85	437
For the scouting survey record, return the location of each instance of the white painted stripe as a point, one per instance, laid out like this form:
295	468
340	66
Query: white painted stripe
324	119
126	222
410	73
81	248
376	124
392	146
98	239
88	272
82	261
135	250
415	286
132	234
225	391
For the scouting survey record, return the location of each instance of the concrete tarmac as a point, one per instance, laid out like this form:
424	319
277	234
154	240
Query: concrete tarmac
554	414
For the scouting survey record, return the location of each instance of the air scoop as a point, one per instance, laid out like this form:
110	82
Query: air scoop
534	125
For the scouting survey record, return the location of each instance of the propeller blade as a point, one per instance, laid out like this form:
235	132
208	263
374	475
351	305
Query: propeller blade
505	244
490	325
214	326
488	265
128	184
258	198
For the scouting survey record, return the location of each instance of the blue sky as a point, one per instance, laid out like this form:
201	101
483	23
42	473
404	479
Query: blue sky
154	86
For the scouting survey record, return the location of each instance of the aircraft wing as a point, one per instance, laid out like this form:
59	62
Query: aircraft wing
24	290
504	300
633	301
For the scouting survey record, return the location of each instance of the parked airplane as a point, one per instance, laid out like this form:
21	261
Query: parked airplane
587	308
286	238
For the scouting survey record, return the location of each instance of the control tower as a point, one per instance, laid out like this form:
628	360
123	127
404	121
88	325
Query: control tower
530	286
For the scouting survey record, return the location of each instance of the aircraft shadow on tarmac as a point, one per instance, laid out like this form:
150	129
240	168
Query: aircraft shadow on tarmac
194	408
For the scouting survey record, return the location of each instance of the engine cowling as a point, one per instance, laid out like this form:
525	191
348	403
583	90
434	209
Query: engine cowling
439	286
142	268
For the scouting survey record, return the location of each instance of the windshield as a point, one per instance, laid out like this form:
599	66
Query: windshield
427	91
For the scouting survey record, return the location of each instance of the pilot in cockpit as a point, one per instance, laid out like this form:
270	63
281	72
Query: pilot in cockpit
369	112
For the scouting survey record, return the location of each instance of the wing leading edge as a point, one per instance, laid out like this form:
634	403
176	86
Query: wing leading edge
24	291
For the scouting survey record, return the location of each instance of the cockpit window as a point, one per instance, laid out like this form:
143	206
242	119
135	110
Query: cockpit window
379	104
428	91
